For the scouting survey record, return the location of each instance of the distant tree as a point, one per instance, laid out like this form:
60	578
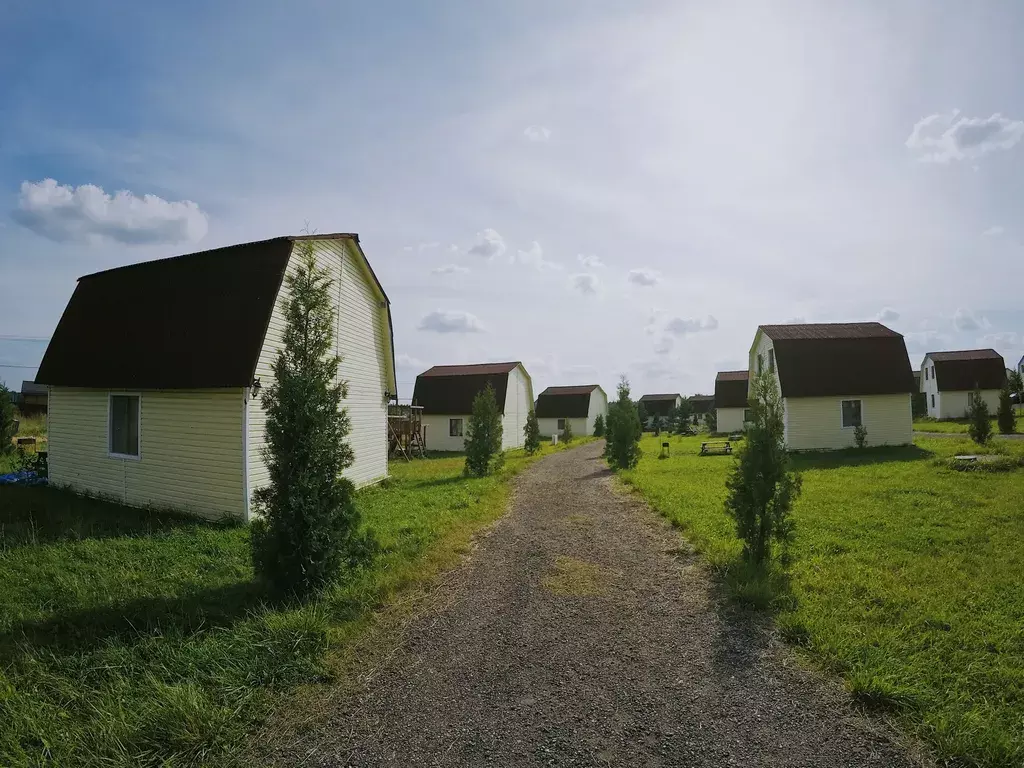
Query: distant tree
599	425
919	404
567	431
1017	385
483	435
761	488
1006	417
307	524
860	435
531	433
682	418
7	416
711	421
656	424
980	427
641	413
623	431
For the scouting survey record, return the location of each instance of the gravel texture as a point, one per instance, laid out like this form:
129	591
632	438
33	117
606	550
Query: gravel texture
580	633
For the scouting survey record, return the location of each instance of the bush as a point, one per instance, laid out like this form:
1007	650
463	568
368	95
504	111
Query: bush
919	405
980	428
656	424
599	425
682	419
623	430
567	431
761	489
308	525
483	435
641	414
711	421
7	415
1006	417
860	435
531	433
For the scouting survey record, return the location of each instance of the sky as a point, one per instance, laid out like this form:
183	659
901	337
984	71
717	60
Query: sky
596	189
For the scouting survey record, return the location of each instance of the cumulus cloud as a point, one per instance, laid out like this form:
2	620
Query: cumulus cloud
534	257
1002	339
64	213
940	138
537	133
888	315
680	326
408	362
925	341
589	261
488	245
645	277
664	345
449	269
993	231
965	320
441	321
585	284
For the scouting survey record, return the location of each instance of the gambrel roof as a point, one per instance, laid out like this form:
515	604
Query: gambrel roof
966	369
450	389
565	402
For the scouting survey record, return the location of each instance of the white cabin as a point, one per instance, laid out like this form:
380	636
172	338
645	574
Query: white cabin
948	380
578	405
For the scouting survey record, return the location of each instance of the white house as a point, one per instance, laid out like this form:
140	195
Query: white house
731	409
661	405
580	406
950	378
446	392
835	377
155	372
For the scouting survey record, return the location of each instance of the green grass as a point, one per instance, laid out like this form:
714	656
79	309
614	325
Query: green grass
32	426
136	638
960	426
905	580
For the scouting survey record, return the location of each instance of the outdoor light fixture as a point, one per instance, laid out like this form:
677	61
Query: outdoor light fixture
255	387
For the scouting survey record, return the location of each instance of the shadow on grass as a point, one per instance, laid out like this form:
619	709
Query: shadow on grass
80	630
437	482
856	457
32	516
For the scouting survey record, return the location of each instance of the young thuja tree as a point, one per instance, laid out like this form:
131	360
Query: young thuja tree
711	421
860	435
623	430
1006	417
531	433
307	527
656	424
1016	382
7	416
682	418
979	428
641	414
567	431
761	489
483	435
599	425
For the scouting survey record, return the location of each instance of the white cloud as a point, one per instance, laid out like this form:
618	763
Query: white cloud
585	284
428	246
589	261
664	345
408	362
488	245
993	231
965	320
926	341
943	137
888	315
537	133
645	277
534	257
1002	339
449	269
680	326
441	321
84	214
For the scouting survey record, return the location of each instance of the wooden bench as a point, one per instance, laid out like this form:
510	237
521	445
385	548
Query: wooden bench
715	446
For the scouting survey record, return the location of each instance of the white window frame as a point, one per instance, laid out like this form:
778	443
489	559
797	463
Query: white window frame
462	426
138	415
560	424
851	400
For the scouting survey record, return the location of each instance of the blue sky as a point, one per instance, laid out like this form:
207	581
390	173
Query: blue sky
594	189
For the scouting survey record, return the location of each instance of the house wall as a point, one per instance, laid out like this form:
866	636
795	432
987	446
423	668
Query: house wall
191	446
953	405
815	423
730	419
518	401
760	349
598	407
437	438
362	339
549	427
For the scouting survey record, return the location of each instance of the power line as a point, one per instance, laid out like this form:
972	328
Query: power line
5	365
23	338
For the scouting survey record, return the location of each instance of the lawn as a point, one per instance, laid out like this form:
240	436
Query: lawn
957	426
136	638
906	577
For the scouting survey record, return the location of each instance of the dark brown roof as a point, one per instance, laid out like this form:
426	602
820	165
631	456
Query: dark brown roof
564	402
731	389
968	368
450	389
701	403
840	359
655	398
195	321
660	405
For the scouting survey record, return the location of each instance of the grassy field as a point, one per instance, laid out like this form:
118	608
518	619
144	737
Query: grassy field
957	426
134	638
906	577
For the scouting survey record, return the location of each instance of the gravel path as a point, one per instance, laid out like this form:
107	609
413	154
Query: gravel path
579	634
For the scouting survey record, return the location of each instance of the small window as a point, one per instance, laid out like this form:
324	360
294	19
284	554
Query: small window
926	374
760	362
561	425
748	414
454	427
933	371
851	413
123	434
771	361
933	401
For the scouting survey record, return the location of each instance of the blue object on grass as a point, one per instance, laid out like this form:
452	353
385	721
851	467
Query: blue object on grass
22	478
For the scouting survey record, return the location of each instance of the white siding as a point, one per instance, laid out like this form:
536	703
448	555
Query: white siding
730	419
598	406
190	444
549	427
363	341
950	404
518	401
438	433
815	423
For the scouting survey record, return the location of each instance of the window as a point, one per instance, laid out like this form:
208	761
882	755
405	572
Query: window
771	361
970	399
561	425
454	427
760	362
933	371
933	401
926	374
123	432
851	413
748	414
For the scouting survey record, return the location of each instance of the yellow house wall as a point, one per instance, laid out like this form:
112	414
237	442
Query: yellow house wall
815	423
